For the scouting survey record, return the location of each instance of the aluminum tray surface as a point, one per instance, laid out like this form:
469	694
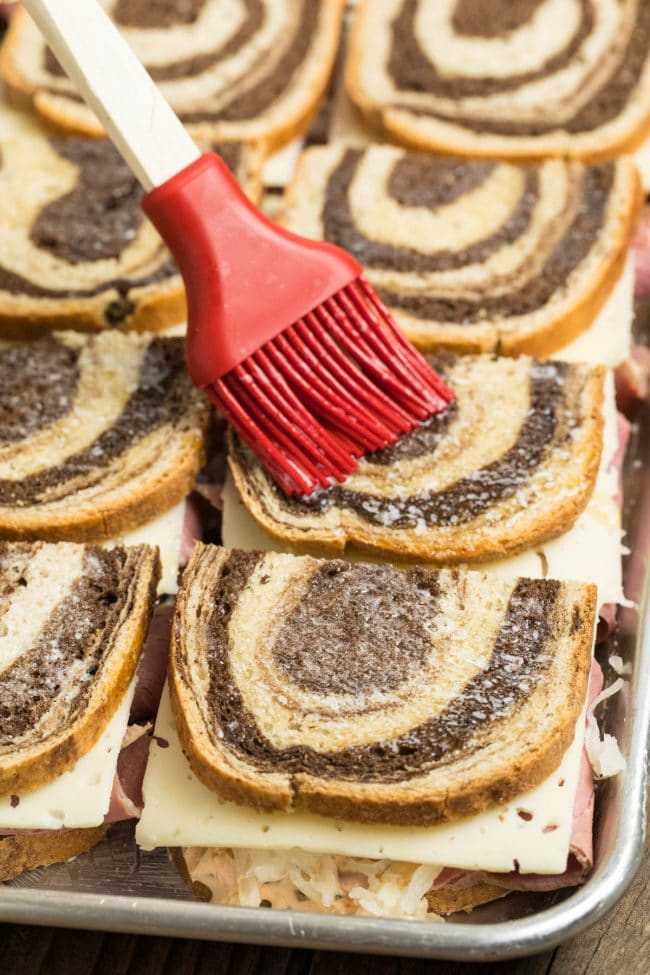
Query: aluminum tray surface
117	887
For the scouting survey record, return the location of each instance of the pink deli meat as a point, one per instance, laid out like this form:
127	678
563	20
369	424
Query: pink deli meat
126	796
152	669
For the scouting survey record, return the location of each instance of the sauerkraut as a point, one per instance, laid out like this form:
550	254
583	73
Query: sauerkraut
291	879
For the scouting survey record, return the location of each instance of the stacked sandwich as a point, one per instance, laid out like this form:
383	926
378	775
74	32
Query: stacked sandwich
358	710
103	439
74	620
377	695
333	730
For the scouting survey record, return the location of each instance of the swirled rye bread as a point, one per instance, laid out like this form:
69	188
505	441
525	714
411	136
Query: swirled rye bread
243	69
72	623
22	852
473	255
75	248
98	434
371	693
523	79
510	463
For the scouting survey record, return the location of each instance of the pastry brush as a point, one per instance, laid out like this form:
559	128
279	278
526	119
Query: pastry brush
284	334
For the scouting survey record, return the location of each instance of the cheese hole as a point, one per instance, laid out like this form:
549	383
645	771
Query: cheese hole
550	828
525	814
57	814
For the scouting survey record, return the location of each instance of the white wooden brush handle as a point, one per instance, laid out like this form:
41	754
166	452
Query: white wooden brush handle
108	75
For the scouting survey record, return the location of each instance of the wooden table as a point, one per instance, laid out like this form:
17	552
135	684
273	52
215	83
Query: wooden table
618	945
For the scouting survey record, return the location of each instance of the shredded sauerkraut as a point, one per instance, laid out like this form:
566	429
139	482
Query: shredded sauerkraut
619	666
291	879
604	754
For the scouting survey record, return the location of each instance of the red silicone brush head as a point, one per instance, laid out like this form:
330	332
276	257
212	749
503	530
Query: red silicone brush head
286	337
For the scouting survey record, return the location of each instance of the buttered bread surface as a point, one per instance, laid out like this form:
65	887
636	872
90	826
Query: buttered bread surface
369	693
246	69
98	434
74	620
511	462
352	689
495	78
473	255
77	251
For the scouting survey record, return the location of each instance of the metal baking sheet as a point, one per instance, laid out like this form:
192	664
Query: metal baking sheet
119	888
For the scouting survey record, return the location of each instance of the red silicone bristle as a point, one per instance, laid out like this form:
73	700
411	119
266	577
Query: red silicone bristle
340	382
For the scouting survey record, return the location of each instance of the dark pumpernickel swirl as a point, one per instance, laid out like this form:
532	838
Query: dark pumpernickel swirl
250	69
86	425
479	256
293	677
519	446
82	253
524	78
74	618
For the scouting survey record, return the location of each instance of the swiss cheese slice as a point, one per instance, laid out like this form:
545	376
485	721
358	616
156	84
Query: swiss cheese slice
166	532
534	829
78	799
608	340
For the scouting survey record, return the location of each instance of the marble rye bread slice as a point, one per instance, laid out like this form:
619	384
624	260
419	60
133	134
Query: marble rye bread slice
99	434
253	70
473	255
72	625
511	463
367	692
22	852
76	250
503	79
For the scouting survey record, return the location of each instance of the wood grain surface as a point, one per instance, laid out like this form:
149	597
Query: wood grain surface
617	945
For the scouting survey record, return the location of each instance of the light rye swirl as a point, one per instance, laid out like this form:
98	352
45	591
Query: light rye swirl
72	622
510	463
242	69
98	434
473	255
75	248
370	692
501	78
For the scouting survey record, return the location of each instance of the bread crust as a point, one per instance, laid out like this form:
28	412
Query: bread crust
563	330
124	504
458	546
155	312
87	522
58	111
44	763
84	295
609	141
415	802
221	772
446	901
21	852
